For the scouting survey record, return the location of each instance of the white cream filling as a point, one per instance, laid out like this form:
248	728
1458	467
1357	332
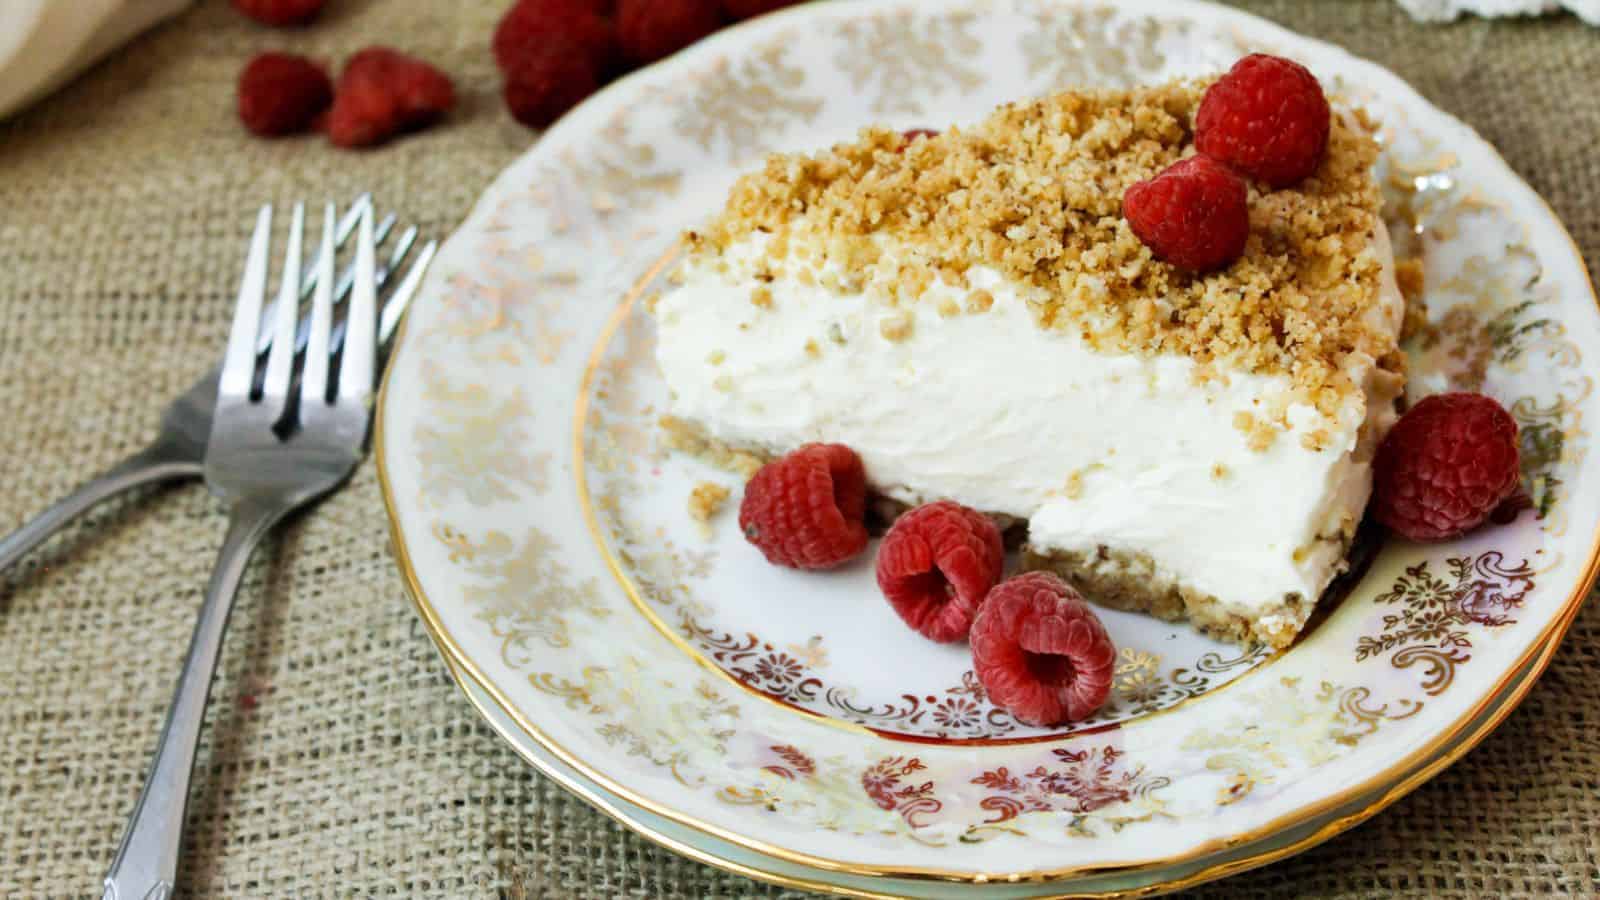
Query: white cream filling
988	409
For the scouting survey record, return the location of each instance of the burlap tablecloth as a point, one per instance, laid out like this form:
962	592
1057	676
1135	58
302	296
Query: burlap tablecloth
339	758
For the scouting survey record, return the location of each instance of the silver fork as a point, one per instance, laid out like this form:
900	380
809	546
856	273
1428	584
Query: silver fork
262	476
179	449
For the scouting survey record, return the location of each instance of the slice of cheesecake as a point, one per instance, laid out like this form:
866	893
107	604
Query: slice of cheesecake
972	314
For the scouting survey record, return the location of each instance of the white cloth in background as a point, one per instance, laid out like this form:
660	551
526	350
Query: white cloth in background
44	43
1450	10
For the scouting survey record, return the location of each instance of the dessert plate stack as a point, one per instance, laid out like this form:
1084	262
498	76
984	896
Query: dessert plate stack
785	726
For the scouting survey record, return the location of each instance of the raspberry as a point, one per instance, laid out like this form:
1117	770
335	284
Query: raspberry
1266	118
1445	466
280	12
280	93
546	82
909	137
1194	214
578	25
655	29
1041	652
806	510
937	564
383	92
740	10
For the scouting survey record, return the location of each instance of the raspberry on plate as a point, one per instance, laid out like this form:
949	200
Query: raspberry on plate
807	510
1445	466
280	12
655	29
280	93
1041	652
580	26
1195	214
383	92
545	82
749	9
937	564
1268	118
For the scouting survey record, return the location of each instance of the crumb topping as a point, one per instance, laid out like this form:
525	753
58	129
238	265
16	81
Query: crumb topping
1258	431
706	500
1408	276
1035	192
686	438
896	326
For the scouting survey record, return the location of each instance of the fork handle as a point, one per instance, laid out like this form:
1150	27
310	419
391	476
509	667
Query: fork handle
157	462
146	865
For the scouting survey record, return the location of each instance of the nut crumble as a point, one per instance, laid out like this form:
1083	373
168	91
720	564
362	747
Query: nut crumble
705	501
1035	192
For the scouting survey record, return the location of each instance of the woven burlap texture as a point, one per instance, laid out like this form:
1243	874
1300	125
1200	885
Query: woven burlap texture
339	758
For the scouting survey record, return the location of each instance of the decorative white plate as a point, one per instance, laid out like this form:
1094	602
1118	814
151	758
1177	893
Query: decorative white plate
544	535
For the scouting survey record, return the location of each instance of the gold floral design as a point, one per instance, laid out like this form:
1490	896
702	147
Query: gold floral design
1544	434
511	302
1362	718
680	735
507	312
1073	47
742	104
613	695
899	58
524	591
1139	686
1469	337
622	432
1431	627
1287	729
617	172
475	445
578	697
1137	676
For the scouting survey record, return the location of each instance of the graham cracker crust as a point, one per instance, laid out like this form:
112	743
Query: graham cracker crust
1129	581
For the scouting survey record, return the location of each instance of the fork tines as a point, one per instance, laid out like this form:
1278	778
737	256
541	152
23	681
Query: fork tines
285	362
